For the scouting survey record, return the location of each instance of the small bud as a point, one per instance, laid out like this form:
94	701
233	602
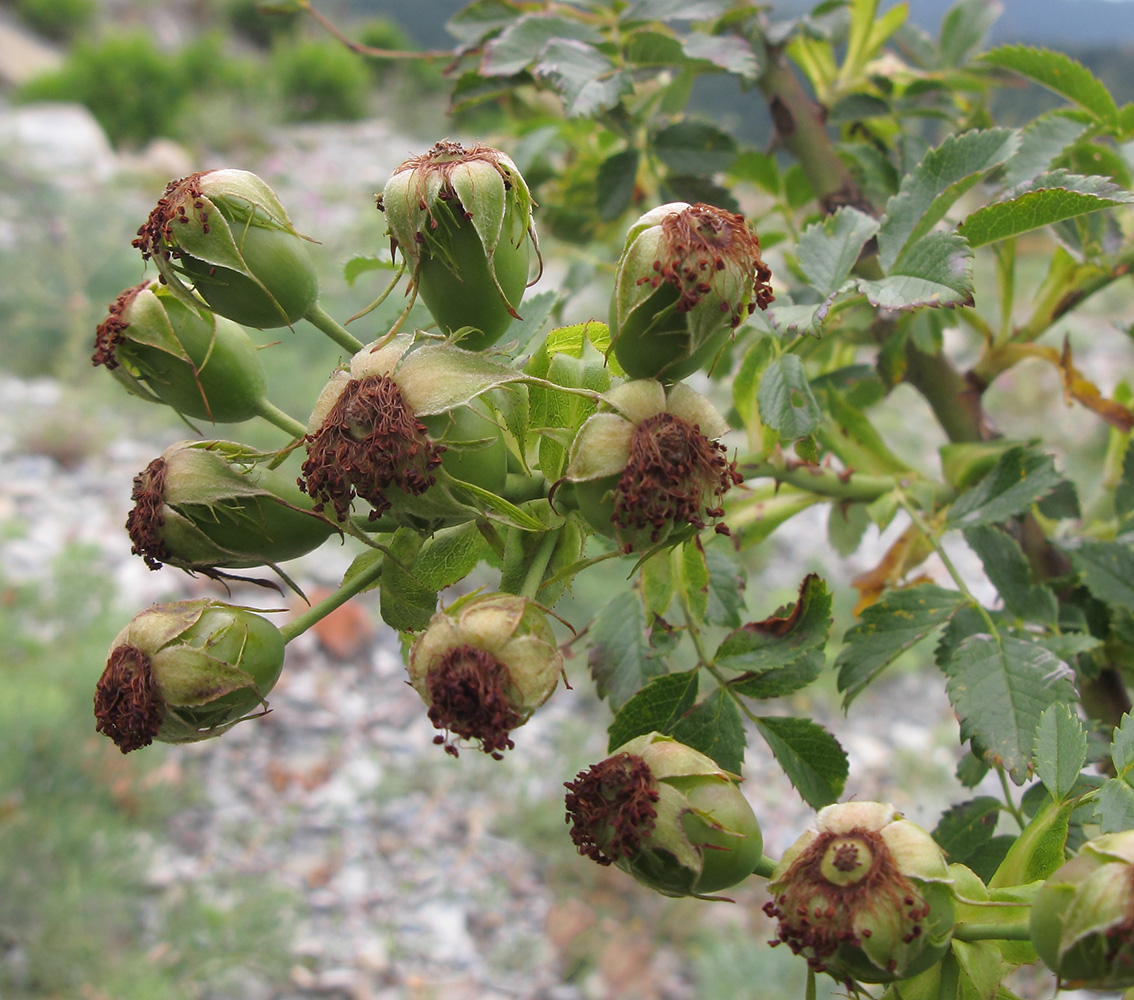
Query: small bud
204	505
462	220
483	667
203	365
1082	922
688	275
185	672
226	233
666	814
864	896
648	465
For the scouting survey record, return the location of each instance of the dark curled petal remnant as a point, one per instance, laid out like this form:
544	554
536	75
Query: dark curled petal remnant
611	808
145	520
127	706
468	694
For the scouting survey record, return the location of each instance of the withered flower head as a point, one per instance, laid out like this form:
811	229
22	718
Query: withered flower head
652	467
865	896
127	706
483	667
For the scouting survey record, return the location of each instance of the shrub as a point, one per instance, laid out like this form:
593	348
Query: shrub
319	81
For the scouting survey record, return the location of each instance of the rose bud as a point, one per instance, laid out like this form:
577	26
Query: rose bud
1082	922
666	814
185	672
462	220
687	276
483	667
648	464
226	233
203	365
209	504
864	896
382	430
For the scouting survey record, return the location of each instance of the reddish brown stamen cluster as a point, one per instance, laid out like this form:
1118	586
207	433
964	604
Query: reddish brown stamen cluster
156	235
700	242
611	808
468	692
369	441
127	707
145	520
671	469
818	916
111	331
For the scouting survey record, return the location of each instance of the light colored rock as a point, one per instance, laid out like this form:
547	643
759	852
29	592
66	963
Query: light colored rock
23	56
56	140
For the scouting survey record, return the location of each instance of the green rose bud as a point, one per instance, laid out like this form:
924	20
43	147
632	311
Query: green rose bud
483	667
1082	922
864	896
185	672
174	351
647	465
209	504
687	276
462	220
226	233
667	815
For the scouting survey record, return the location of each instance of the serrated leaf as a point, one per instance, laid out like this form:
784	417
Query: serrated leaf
675	10
755	362
450	555
407	604
1000	686
963	29
829	249
715	728
1020	478
779	682
1043	140
1115	807
1122	747
811	757
694	147
364	263
472	24
587	82
782	638
1059	73
620	657
728	52
935	270
656	708
694	580
537	311
1047	199
523	41
727	581
886	629
935	185
966	827
1107	571
653	48
786	401
1061	749
1008	570
614	184
1038	850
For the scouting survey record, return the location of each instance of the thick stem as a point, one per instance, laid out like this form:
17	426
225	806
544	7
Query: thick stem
325	323
285	422
1017	931
317	612
954	398
824	481
765	866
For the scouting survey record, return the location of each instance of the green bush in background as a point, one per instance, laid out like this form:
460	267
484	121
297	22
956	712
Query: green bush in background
56	19
319	81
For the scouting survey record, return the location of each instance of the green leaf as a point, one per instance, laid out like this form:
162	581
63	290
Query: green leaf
1008	570
1038	850
537	311
779	682
1107	571
1000	686
587	82
1061	749
715	728
728	52
362	264
694	147
614	184
656	708
781	639
1044	139
523	41
693	572
1060	73
1019	479
653	48
727	581
963	30
810	756
752	367
935	185
1115	807
785	399
472	24
1122	747
1124	491
1045	200
620	656
407	603
450	555
966	827
936	270
676	10
829	249
886	629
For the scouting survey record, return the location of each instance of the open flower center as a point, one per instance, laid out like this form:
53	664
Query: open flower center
127	706
468	693
675	475
369	442
611	808
145	520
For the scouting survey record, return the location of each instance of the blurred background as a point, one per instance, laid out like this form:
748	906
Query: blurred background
329	850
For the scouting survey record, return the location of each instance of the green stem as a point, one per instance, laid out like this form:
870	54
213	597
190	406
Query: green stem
817	479
1018	931
765	866
533	579
1009	802
319	318
285	422
317	612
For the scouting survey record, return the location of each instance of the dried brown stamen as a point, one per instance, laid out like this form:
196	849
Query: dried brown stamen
145	521
611	808
675	475
468	696
110	332
369	441
156	235
127	707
